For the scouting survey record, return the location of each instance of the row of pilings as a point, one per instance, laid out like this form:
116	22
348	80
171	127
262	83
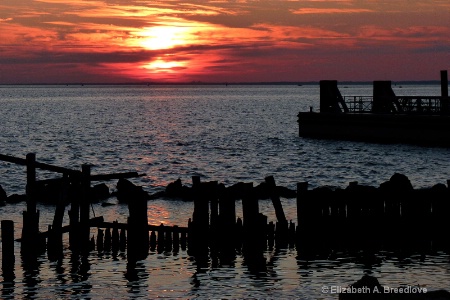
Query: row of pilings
391	217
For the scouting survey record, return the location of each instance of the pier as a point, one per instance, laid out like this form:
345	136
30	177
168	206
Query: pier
382	117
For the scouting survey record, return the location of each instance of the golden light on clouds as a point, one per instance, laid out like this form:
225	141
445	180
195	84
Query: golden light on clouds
164	37
121	41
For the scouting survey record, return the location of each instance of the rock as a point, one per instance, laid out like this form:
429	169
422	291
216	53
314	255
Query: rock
397	183
174	189
15	198
237	190
100	192
126	191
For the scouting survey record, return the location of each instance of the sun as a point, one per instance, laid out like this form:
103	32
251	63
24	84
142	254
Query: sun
164	37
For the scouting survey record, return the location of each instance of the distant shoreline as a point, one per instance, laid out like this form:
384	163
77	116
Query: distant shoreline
425	82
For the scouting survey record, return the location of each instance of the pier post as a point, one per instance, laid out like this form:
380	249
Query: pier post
138	235
85	205
199	231
254	224
55	239
8	258
282	224
227	219
30	230
74	213
444	92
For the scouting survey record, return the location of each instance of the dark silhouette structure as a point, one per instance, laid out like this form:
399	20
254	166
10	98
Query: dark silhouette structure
382	117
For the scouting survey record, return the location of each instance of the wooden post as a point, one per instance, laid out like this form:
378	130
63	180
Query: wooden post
199	229
123	240
270	181
115	238
302	212
176	239
30	230
8	258
85	205
444	92
107	242
214	203
282	224
100	240
74	213
160	246
138	236
153	240
250	210
55	239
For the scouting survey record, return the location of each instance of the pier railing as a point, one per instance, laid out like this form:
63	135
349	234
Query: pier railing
403	104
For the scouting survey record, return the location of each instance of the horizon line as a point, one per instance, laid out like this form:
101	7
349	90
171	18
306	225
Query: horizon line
298	83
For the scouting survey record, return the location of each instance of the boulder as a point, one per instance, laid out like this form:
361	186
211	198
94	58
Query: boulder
126	191
100	192
16	198
397	183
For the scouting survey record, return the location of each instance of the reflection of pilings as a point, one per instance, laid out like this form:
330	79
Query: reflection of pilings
8	258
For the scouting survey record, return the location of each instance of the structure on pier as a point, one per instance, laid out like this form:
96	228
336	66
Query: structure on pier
383	117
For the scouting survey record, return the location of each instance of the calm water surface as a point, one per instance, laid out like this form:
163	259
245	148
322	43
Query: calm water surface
225	133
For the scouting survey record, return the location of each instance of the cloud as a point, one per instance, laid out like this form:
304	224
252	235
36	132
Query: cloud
304	11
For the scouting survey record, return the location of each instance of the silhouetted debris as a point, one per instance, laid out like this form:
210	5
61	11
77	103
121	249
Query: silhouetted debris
16	198
175	190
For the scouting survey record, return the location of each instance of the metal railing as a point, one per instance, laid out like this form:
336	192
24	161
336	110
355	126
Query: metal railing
404	104
358	104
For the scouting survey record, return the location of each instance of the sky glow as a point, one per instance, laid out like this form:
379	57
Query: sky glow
112	41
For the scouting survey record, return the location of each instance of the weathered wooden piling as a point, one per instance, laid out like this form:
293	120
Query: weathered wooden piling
152	240
30	231
85	205
176	238
254	223
199	227
100	237
8	257
115	239
107	240
123	240
161	237
444	92
138	236
282	224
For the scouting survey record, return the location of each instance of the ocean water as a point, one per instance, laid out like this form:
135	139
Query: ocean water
226	133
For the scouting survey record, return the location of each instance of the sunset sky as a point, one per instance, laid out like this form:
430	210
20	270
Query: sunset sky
111	41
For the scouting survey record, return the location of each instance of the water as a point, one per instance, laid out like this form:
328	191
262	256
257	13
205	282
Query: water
225	133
